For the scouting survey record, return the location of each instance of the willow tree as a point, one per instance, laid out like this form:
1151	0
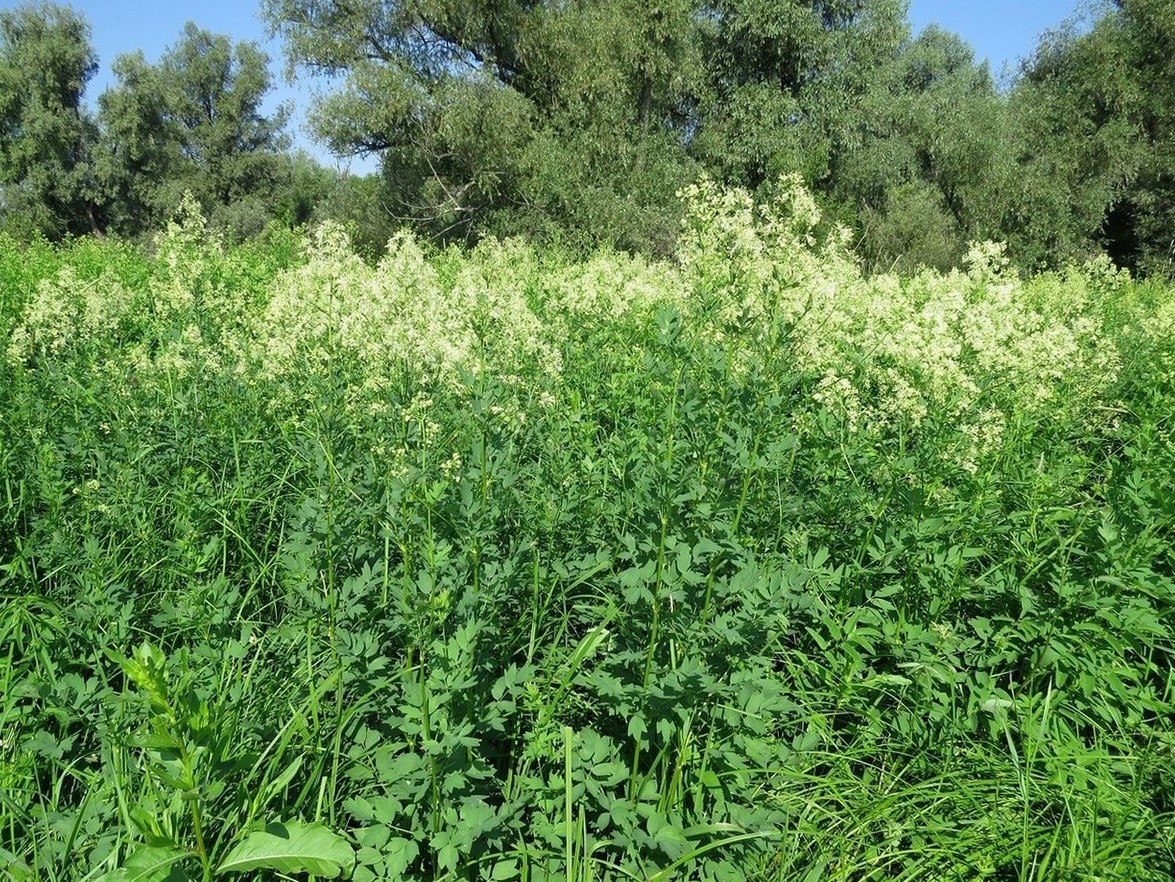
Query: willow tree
46	135
784	80
1095	108
194	122
927	161
510	116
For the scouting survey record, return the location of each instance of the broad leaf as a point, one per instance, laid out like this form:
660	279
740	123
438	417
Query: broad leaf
151	864
294	847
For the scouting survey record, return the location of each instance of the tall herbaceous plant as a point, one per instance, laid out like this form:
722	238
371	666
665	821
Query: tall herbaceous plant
489	564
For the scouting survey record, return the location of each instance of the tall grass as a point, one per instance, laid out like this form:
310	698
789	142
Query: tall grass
490	566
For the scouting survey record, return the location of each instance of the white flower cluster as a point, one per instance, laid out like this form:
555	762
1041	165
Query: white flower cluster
1151	328
67	314
400	315
611	287
493	291
767	283
153	328
972	346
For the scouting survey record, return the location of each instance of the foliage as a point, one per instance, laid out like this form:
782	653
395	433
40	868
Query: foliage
781	79
46	174
192	122
495	564
545	119
1094	106
926	157
573	126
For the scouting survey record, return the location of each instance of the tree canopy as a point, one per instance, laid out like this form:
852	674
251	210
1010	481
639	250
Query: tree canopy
506	115
192	122
46	134
578	122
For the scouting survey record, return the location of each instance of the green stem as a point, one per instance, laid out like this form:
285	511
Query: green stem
568	825
201	847
654	630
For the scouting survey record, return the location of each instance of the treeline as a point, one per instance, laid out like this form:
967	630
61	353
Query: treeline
578	122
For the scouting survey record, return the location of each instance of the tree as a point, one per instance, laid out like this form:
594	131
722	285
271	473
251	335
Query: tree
784	80
508	115
1096	112
46	135
1138	45
192	122
1075	149
925	161
903	139
139	152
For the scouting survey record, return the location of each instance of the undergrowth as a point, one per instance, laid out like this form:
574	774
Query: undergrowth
487	566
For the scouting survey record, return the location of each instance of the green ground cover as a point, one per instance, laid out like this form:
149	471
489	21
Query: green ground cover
495	565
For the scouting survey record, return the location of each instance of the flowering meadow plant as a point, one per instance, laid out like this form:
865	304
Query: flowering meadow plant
488	564
975	347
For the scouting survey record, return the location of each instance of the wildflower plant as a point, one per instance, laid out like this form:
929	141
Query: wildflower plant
488	564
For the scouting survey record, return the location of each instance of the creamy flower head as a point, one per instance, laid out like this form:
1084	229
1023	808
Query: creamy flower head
885	353
67	314
400	315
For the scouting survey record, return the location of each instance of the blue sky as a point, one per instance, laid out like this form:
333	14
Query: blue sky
1000	30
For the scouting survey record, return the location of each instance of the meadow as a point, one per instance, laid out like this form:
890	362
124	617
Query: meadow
499	564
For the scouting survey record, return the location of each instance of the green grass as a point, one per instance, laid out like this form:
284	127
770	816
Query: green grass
597	574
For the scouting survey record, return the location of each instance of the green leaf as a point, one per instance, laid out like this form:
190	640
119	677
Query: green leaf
671	840
398	855
294	847
637	727
504	870
151	864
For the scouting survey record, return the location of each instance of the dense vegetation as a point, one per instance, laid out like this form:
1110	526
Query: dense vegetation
501	564
656	470
576	123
